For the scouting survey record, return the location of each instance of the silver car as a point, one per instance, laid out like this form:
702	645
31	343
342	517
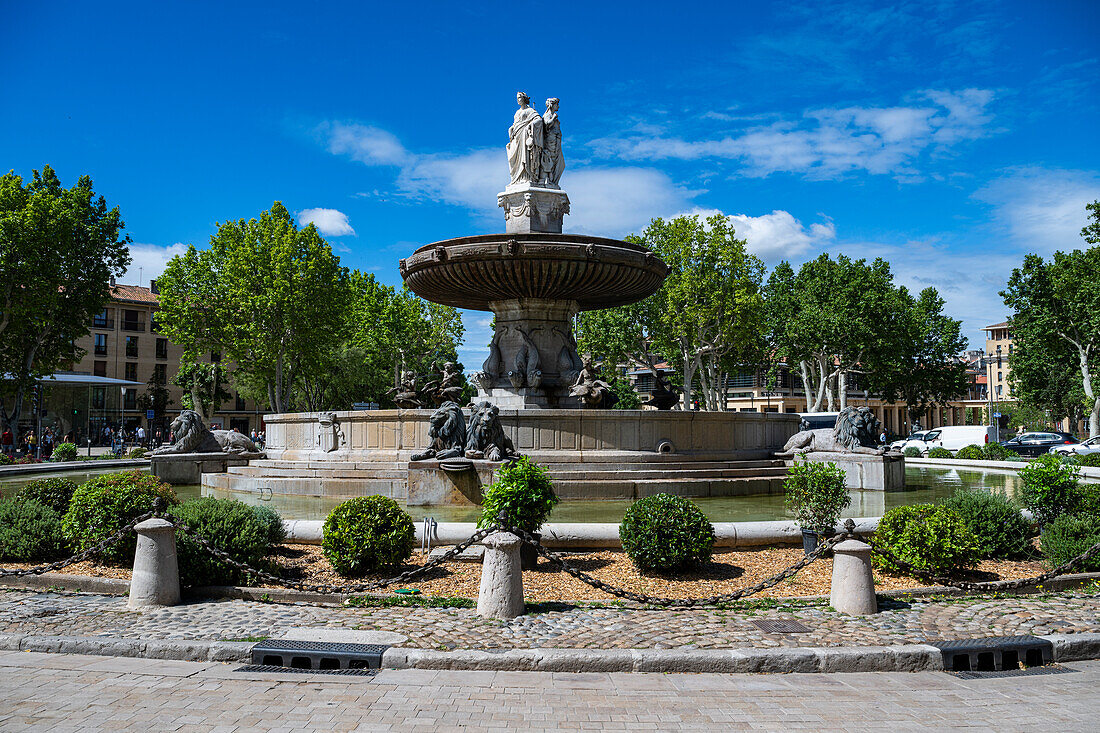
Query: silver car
1092	445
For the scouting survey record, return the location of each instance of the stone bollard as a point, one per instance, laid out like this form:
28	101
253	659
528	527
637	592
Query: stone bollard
853	589
501	593
156	579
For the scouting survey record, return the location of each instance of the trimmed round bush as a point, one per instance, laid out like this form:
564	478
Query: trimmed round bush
938	452
994	520
54	492
64	452
997	452
229	525
927	537
30	532
912	452
522	496
104	504
1050	488
276	531
662	533
815	492
1068	536
971	452
1091	460
367	534
137	453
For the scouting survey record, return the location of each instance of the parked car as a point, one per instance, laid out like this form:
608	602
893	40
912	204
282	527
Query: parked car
1092	445
1038	443
951	437
817	420
913	439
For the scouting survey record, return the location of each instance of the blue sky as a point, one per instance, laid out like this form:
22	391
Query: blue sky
949	138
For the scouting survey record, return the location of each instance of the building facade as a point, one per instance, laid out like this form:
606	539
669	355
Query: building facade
998	348
125	343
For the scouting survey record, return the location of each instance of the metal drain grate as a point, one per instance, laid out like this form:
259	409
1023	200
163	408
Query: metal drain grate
780	626
995	653
295	670
1027	672
317	655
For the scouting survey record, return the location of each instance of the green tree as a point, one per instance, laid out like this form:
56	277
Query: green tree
156	397
1059	301
829	320
707	316
203	387
268	296
920	363
59	249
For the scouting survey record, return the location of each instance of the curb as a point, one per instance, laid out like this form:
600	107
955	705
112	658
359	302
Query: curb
52	467
902	658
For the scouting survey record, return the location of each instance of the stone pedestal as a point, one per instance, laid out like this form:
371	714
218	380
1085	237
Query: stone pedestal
156	579
530	208
853	587
533	358
501	592
186	469
430	483
863	471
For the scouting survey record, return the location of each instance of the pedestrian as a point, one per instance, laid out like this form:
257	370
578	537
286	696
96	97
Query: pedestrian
882	437
7	442
141	436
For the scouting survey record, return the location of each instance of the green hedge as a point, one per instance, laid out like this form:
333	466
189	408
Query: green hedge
662	533
1091	460
994	520
912	452
815	492
970	453
1068	536
30	532
54	492
997	452
930	538
1050	488
938	452
273	524
64	452
106	503
229	525
522	496
367	534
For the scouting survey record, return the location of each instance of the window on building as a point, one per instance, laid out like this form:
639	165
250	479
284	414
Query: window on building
101	344
998	361
99	397
162	348
998	390
154	327
131	371
99	368
160	373
1000	377
743	378
103	319
132	321
129	400
131	347
239	403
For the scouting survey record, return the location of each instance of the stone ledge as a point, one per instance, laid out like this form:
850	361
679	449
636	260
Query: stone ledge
51	467
191	650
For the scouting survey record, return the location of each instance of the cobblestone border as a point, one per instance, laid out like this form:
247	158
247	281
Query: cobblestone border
902	658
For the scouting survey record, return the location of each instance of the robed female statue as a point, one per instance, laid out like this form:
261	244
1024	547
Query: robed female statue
525	141
553	162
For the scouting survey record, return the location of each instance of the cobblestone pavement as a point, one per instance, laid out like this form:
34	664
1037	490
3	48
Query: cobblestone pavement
58	692
85	614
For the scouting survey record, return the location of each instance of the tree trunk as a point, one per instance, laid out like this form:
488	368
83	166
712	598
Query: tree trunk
842	388
689	376
1086	381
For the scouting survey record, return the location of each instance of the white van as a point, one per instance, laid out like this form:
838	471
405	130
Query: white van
953	438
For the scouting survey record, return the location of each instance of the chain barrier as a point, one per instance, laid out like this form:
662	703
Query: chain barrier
989	585
81	556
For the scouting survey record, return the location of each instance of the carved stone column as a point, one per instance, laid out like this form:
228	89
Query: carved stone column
533	209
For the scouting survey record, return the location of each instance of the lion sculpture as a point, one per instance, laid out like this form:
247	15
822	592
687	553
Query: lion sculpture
854	432
485	437
193	437
446	433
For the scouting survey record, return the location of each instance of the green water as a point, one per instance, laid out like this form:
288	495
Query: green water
923	485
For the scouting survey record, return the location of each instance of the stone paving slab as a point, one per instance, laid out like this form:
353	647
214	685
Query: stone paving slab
900	623
72	695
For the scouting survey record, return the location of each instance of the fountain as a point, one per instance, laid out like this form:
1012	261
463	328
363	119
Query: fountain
534	279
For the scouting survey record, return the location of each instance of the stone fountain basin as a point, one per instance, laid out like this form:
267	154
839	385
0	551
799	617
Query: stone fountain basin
593	272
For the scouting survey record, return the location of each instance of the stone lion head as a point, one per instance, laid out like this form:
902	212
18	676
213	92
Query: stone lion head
188	429
447	426
856	426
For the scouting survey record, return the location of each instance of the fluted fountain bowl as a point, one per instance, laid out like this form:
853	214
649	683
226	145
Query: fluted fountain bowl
472	272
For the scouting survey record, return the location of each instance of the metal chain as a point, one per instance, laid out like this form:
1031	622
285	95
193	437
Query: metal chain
990	585
615	590
82	556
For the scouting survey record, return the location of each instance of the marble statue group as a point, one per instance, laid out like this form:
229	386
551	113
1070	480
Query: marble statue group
534	145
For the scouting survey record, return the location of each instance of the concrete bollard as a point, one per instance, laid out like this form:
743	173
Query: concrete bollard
501	592
853	588
156	579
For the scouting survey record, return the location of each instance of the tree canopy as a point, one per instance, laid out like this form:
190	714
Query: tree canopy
59	249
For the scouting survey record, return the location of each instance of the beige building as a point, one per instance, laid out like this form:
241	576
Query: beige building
124	344
998	347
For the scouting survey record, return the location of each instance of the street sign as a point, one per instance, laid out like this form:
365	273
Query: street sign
150	414
996	414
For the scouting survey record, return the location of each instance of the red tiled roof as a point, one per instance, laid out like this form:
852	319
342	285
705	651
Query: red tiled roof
133	294
996	325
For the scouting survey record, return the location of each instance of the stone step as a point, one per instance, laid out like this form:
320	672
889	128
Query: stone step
688	487
643	474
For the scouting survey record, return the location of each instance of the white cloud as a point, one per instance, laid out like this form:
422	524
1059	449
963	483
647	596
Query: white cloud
1042	210
610	201
777	235
330	222
148	261
832	141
